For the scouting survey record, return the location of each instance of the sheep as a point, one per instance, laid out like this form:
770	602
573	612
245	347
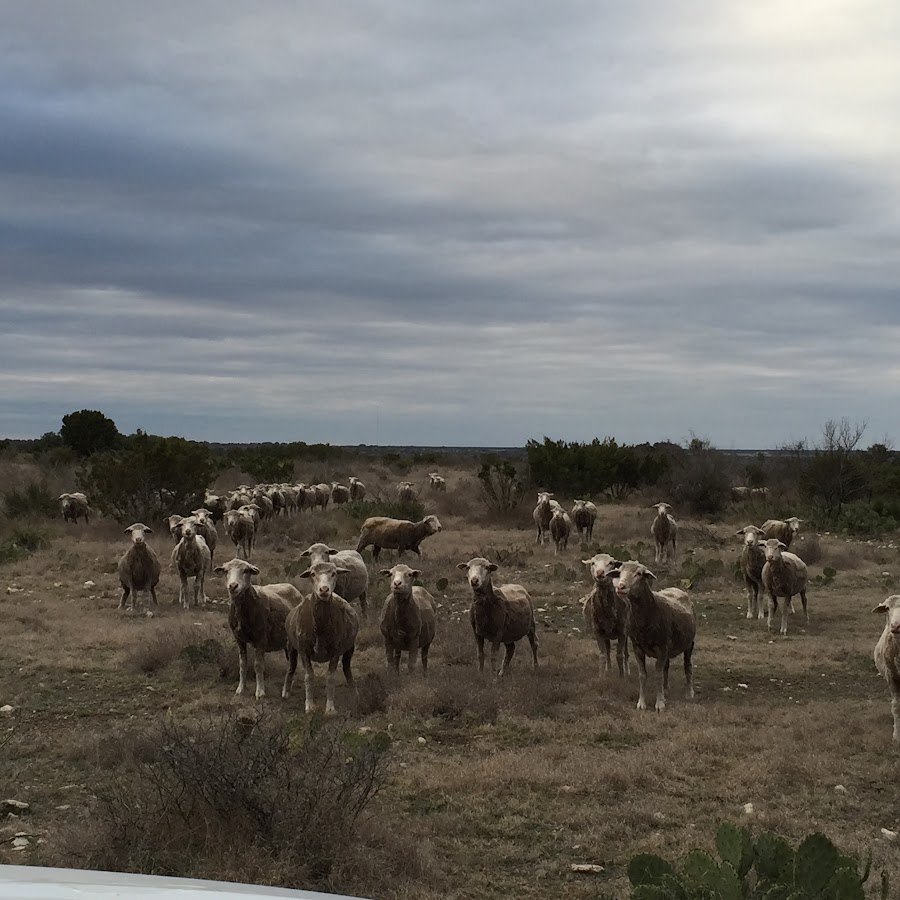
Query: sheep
785	530
353	583
438	483
263	502
560	529
216	505
661	624
257	617
174	524
241	528
277	499
887	655
357	489
74	506
606	613
501	615
407	619
306	497
207	529
383	533
191	559
254	511
584	515
139	568
406	492
665	531
783	575
761	492
340	493
753	558
323	628
323	495
740	493
290	498
542	514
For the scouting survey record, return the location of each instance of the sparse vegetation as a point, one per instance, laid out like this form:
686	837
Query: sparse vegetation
32	500
502	489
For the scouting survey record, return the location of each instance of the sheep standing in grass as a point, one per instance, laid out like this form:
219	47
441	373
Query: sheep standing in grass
407	619
887	655
139	568
322	628
216	505
257	617
340	493
783	575
206	528
406	492
753	558
543	513
438	483
241	528
584	515
191	559
560	530
357	489
661	624
353	581
501	615
383	533
665	532
785	531
606	613
74	506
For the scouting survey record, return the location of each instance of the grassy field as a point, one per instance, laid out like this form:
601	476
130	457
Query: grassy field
497	789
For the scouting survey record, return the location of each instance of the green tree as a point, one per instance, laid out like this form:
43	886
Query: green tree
89	431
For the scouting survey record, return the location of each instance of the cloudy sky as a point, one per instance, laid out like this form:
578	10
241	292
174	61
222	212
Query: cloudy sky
462	223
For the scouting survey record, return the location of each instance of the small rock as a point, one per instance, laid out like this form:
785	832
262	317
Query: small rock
89	584
587	868
20	843
568	789
660	817
148	614
421	740
365	729
57	584
742	685
64	807
14	590
13	807
732	637
885	574
840	789
748	809
889	835
541	609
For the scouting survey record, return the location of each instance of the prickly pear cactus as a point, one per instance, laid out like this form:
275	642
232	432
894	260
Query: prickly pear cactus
774	859
735	846
815	864
648	869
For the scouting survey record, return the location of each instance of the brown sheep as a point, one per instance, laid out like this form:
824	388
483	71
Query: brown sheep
241	528
407	619
139	568
606	613
783	575
664	531
322	628
753	558
785	530
191	559
501	615
383	533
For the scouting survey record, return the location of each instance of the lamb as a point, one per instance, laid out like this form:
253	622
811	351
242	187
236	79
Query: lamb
257	617
241	528
661	625
357	489
753	558
501	615
542	514
606	613
353	582
340	493
74	506
191	559
783	575
665	531
383	533
323	495
407	619
887	655
406	492
438	483
206	528
560	529
322	628
139	568
584	515
784	531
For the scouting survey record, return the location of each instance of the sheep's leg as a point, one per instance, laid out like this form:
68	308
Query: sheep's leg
411	662
291	655
895	712
784	615
604	662
760	601
308	677
605	651
242	667
751	599
662	681
771	609
479	641
259	666
348	673
183	595
507	658
125	592
153	595
202	579
495	649
364	606
532	639
388	656
803	601
375	551
330	678
689	673
642	677
622	656
425	659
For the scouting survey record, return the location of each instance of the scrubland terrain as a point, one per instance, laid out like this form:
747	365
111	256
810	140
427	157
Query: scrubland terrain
494	790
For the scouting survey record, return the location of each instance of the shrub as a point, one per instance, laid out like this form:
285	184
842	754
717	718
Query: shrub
360	510
251	799
22	543
502	490
89	431
31	500
167	644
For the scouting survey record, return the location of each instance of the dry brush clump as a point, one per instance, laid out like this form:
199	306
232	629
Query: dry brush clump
193	647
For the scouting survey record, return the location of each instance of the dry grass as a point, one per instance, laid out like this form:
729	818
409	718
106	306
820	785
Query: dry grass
513	782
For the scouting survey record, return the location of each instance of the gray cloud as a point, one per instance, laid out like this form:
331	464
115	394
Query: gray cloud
469	224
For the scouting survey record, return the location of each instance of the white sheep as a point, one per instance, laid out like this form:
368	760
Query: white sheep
753	558
785	530
605	612
340	493
560	530
783	575
543	513
191	559
406	492
139	568
665	532
887	655
407	619
438	483
584	515
323	495
357	489
241	528
353	579
74	506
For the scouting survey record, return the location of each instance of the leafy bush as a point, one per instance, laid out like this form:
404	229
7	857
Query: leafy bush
265	465
749	869
22	543
32	500
868	519
250	799
89	431
360	510
502	489
699	482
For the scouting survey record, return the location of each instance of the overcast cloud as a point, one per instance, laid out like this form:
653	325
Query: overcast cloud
451	223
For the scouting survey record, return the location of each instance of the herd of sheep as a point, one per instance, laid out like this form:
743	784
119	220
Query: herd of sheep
322	627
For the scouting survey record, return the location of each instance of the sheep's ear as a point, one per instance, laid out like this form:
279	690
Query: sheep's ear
219	570
586	562
384	571
416	573
127	530
331	552
148	530
882	607
252	569
649	575
306	574
492	567
782	545
341	570
305	554
740	533
462	566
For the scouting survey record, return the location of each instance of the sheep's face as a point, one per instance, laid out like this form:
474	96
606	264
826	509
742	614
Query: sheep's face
632	577
232	517
662	509
544	498
202	515
794	523
238	575
578	506
559	515
432	524
602	565
318	551
478	572
750	534
137	532
892	607
189	527
773	548
402	578
323	577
